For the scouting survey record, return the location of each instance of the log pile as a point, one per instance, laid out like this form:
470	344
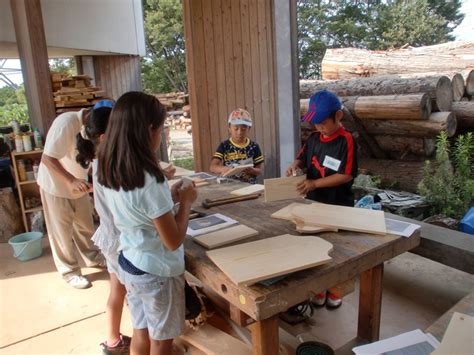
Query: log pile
396	118
74	93
349	63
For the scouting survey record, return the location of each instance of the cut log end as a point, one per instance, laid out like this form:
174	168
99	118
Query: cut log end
444	94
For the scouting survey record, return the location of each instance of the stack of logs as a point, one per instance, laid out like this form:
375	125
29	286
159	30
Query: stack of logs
74	93
396	118
178	109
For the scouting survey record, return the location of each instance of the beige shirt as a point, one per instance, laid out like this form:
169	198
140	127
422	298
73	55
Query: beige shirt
61	144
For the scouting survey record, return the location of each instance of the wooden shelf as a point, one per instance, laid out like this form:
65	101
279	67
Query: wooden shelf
28	188
27	182
30	210
31	152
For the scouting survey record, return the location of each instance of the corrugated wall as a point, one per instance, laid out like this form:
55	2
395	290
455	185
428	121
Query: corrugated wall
230	64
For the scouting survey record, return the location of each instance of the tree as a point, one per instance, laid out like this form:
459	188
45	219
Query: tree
13	105
372	24
164	66
63	65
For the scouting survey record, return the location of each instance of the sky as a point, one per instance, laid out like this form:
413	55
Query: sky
464	32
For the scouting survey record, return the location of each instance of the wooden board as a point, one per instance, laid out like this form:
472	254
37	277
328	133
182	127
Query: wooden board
237	169
214	341
458	338
225	236
305	229
282	188
341	217
285	212
248	190
246	264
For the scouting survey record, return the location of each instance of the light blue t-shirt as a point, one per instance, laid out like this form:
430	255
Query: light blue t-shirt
140	243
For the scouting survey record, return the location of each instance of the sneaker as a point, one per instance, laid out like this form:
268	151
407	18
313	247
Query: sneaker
122	347
298	313
79	281
319	299
333	300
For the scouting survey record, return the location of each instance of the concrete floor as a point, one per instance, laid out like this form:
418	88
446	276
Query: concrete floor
41	314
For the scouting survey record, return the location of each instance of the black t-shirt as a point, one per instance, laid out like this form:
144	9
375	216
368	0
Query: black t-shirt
325	156
234	154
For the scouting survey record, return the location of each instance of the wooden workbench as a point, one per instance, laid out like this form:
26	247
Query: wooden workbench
354	254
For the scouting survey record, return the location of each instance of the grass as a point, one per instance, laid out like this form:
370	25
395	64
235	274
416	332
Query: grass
185	163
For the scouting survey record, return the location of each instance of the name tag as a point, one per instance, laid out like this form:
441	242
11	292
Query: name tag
331	163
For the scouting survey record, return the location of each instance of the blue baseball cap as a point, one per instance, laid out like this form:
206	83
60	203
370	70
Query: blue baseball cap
103	103
322	105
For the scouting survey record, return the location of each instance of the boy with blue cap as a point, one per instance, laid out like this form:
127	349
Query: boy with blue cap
330	160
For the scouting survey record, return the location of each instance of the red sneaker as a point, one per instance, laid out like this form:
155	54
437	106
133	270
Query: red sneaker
319	299
333	300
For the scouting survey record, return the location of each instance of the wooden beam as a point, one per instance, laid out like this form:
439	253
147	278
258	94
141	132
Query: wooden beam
370	303
265	338
31	41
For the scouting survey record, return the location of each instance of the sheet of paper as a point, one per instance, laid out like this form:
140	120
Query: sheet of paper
400	228
208	224
401	344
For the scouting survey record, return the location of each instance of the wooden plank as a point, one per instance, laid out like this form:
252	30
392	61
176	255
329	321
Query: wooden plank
458	338
195	60
225	236
341	217
256	105
217	17
247	60
285	212
238	53
252	189
211	75
282	188
228	54
237	169
370	303
238	316
304	229
248	263
214	341
265	337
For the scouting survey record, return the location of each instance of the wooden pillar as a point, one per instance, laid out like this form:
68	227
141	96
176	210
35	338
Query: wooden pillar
286	63
31	41
230	56
370	303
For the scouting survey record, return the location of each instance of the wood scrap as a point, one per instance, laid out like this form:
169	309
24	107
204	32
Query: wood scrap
225	236
237	169
341	217
248	190
214	341
249	263
282	188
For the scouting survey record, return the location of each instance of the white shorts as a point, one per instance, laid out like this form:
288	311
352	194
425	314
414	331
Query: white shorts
156	303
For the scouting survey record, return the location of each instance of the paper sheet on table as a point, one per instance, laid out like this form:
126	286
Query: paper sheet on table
209	223
397	227
414	342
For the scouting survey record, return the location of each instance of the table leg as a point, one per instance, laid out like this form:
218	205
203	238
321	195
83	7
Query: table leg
265	340
370	302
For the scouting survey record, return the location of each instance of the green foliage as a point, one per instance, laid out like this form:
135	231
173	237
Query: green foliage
185	163
13	105
448	186
373	24
63	65
164	66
